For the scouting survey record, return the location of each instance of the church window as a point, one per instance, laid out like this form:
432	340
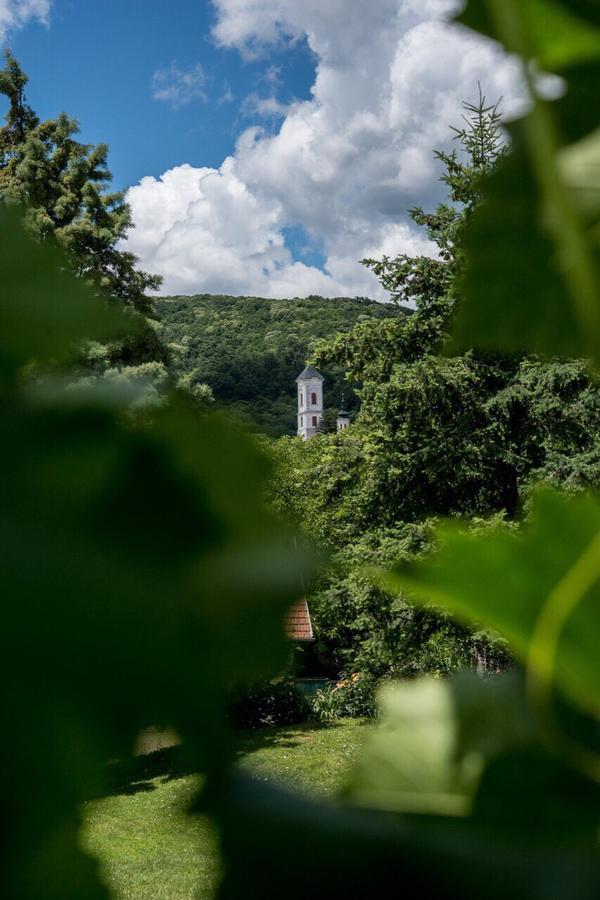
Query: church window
301	421
314	421
313	399
301	399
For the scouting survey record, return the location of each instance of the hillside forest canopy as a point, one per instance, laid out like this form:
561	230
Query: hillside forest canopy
250	350
448	541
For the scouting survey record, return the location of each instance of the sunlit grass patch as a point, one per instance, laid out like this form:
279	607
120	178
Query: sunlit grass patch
149	849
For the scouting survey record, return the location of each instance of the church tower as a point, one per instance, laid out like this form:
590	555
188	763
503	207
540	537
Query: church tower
343	419
310	402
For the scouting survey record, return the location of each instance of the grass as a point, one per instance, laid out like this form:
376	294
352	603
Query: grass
149	849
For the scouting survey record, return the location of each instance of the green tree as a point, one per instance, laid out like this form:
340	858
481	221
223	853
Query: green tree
64	186
427	285
465	436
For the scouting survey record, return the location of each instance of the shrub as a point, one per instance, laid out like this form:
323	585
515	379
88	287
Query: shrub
356	695
325	705
351	697
271	703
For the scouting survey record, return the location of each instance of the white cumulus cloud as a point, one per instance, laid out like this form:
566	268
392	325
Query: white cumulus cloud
203	230
344	166
17	13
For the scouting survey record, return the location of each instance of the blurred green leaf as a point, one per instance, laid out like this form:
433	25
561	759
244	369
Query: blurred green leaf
585	9
560	32
410	763
276	843
533	247
492	716
515	296
579	164
44	311
434	739
141	574
532	832
540	589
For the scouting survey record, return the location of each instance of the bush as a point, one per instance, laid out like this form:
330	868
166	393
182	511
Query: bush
325	706
271	703
351	697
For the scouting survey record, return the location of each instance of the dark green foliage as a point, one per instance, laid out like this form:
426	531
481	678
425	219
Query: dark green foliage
270	703
466	436
351	697
548	418
137	562
542	204
360	626
251	350
20	117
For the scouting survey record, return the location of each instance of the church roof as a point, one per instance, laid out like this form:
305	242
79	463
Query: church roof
309	372
298	626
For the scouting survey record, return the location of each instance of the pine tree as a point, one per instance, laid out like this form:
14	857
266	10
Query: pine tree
427	286
63	184
427	283
20	117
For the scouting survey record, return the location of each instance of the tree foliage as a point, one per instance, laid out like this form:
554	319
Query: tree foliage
64	185
465	436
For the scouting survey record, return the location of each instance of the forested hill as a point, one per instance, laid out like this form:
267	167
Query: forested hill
249	350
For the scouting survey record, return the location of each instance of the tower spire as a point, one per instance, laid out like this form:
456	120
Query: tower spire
310	402
343	419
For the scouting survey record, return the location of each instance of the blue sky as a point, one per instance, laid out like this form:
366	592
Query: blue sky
97	60
266	146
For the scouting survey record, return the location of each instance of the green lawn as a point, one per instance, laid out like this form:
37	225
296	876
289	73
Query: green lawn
149	849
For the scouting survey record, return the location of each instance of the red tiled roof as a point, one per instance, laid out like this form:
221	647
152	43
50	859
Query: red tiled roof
297	622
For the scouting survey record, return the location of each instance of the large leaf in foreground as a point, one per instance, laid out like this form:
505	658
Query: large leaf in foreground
433	738
515	296
559	32
44	312
540	589
517	288
278	844
410	763
141	579
533	246
531	831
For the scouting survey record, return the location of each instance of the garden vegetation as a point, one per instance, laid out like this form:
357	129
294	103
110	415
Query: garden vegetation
145	580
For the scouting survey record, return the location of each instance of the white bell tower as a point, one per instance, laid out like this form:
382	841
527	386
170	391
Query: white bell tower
343	419
310	402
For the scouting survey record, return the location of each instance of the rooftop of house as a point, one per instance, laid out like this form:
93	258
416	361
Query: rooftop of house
298	625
